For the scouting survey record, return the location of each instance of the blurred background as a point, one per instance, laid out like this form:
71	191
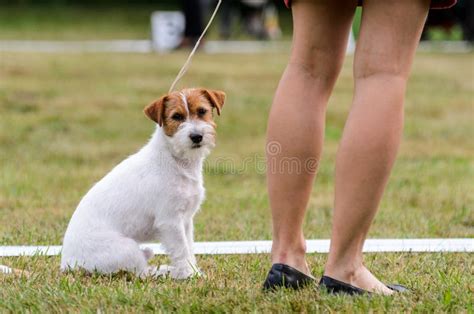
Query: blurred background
238	19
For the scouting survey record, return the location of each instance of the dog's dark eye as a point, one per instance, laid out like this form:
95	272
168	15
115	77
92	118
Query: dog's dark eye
202	111
177	117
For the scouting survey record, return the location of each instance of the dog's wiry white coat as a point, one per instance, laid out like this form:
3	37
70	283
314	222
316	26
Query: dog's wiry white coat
152	195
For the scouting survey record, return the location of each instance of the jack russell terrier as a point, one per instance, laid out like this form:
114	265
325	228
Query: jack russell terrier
151	195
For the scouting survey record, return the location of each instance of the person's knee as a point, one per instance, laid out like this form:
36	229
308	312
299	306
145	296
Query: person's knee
373	65
376	70
318	66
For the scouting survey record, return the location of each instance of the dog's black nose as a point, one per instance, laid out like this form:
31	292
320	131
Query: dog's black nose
196	138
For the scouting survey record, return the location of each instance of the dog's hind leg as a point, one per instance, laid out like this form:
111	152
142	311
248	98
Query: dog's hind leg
125	254
107	253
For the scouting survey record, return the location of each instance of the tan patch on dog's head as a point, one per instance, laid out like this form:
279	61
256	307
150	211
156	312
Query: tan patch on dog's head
174	114
215	98
172	110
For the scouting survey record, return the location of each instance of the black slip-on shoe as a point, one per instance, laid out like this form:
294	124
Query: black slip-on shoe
281	275
335	286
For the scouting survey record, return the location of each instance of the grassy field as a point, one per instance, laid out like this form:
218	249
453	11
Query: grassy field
66	120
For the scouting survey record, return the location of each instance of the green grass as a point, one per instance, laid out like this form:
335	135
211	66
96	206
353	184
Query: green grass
67	119
440	281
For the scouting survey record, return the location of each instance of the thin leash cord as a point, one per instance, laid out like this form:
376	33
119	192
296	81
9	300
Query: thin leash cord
185	67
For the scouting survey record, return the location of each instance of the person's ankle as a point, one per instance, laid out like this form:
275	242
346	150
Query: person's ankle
291	255
344	270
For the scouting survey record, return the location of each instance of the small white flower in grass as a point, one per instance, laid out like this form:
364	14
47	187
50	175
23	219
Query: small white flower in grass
5	269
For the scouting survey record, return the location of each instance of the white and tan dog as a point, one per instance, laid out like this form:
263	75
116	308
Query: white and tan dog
151	195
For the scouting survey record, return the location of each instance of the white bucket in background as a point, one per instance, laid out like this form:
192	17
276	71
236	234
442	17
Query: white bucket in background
167	29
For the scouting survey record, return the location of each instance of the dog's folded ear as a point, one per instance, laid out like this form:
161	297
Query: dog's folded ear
155	110
216	98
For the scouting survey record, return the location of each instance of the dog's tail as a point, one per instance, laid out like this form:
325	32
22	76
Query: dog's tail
5	270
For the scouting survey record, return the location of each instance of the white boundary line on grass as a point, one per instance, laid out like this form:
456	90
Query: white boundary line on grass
256	247
135	46
210	47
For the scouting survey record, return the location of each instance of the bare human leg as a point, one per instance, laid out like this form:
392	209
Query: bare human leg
390	32
296	122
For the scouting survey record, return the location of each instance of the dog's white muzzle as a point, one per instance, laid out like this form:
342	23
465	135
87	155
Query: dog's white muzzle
194	139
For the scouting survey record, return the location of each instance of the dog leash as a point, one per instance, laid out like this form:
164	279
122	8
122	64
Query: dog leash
188	61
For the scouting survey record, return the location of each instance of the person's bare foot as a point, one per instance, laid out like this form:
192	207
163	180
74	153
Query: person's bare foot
361	278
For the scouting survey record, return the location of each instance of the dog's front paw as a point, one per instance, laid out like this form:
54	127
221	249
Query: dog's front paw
179	272
164	270
149	272
182	272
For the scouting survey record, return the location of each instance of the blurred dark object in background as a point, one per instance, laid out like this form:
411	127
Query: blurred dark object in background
259	18
193	14
462	14
465	14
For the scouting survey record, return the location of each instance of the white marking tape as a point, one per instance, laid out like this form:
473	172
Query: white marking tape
137	46
255	247
210	47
